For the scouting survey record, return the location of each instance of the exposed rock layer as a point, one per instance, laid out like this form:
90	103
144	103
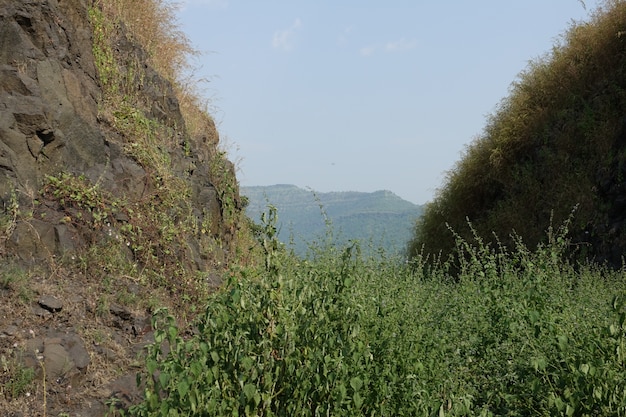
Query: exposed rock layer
52	122
50	97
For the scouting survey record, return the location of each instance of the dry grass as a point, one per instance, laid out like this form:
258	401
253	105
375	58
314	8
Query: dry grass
163	221
154	26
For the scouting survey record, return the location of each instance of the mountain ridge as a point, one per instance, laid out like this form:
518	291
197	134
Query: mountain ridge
380	218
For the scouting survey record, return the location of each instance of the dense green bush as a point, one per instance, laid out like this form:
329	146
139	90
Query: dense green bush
513	334
557	141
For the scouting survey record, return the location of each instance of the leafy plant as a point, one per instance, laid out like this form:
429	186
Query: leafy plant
259	351
93	205
519	332
16	279
8	219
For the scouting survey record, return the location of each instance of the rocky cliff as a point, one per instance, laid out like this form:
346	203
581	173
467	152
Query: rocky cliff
114	200
53	120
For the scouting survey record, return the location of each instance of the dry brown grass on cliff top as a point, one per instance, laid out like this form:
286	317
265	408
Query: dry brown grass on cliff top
154	25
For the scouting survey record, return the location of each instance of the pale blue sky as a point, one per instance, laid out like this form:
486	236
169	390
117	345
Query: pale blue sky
363	95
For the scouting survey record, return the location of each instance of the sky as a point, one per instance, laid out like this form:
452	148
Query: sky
362	95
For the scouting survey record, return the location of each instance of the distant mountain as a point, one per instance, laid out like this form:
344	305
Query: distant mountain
378	220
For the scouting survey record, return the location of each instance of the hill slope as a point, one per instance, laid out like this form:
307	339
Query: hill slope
557	142
114	199
381	218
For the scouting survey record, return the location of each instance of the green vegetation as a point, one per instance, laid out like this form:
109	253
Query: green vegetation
379	220
15	378
14	279
496	329
555	143
147	225
500	330
514	334
8	221
147	238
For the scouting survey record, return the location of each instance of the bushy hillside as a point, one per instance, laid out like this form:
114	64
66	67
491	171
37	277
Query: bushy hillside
557	142
378	220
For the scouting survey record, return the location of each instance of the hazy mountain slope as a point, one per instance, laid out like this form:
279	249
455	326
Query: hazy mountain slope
381	218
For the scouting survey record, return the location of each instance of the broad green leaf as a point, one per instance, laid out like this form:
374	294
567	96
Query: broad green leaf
539	363
343	392
356	383
584	368
159	336
235	296
183	388
172	333
250	391
151	365
247	363
164	379
597	392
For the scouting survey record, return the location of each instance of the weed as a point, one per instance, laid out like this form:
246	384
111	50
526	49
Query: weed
102	306
102	51
163	238
342	335
8	219
16	279
11	276
95	206
16	378
114	405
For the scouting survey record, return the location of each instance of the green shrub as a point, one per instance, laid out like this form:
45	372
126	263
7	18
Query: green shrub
15	378
266	345
552	144
516	332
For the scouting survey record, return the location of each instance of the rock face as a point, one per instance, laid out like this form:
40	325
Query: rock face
52	340
48	93
57	130
50	122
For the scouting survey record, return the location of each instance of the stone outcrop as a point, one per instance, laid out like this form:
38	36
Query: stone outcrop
50	122
48	94
54	123
50	338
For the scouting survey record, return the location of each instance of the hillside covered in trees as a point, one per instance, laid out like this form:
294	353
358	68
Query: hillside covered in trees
379	220
555	146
